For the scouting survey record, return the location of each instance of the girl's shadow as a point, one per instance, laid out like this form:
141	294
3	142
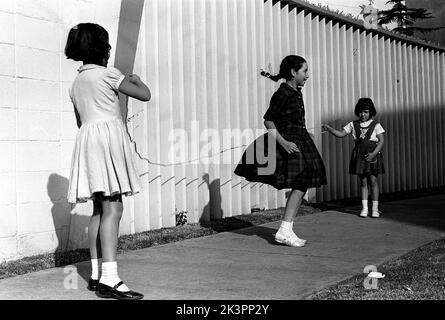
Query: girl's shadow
212	210
212	217
69	227
268	234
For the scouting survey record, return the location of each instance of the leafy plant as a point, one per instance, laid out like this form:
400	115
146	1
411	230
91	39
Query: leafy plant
181	217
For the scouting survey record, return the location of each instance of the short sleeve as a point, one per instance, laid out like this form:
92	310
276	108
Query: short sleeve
378	129
71	94
114	78
349	127
277	101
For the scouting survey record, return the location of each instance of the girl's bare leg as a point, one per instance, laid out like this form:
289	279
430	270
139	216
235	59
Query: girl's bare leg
364	187
112	208
375	188
375	197
109	227
293	204
94	243
365	195
93	231
285	234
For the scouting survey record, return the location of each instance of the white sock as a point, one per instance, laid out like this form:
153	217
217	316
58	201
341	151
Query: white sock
365	204
286	225
110	276
375	206
95	269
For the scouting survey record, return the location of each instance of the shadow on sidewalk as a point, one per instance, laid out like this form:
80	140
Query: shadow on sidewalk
268	234
418	207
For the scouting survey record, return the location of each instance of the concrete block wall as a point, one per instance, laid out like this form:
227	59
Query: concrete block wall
37	123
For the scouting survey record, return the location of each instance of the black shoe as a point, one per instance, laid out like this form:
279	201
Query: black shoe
92	285
105	291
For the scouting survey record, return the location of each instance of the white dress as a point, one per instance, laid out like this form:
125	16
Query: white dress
102	158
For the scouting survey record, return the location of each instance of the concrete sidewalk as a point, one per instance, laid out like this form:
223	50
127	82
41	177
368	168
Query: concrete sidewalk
248	264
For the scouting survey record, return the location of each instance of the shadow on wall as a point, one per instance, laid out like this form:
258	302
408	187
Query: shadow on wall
70	227
212	210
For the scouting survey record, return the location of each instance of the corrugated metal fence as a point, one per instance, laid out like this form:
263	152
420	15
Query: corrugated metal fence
202	58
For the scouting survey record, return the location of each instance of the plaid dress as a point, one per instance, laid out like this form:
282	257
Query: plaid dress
273	165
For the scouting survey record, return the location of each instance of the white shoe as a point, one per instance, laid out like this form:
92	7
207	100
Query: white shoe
289	238
298	238
364	213
292	230
375	214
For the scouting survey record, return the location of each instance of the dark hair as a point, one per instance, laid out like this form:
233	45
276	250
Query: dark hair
288	63
87	42
365	104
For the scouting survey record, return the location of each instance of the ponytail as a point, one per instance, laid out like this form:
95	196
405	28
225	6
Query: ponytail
271	77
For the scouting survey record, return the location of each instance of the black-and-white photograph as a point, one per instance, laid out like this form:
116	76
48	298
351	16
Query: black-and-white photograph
222	155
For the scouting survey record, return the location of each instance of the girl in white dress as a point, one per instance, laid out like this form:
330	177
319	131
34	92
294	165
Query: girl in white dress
102	167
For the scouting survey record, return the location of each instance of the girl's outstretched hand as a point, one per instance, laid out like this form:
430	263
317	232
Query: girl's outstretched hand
290	147
337	133
326	127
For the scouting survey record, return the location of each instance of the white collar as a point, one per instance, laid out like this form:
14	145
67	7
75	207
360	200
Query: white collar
366	123
89	66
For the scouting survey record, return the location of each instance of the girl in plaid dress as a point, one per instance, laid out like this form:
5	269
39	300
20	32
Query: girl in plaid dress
296	162
366	158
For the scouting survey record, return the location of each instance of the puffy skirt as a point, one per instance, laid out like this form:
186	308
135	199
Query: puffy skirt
262	162
102	161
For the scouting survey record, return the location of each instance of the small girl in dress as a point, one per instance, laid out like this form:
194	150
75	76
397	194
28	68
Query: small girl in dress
366	158
102	168
298	164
